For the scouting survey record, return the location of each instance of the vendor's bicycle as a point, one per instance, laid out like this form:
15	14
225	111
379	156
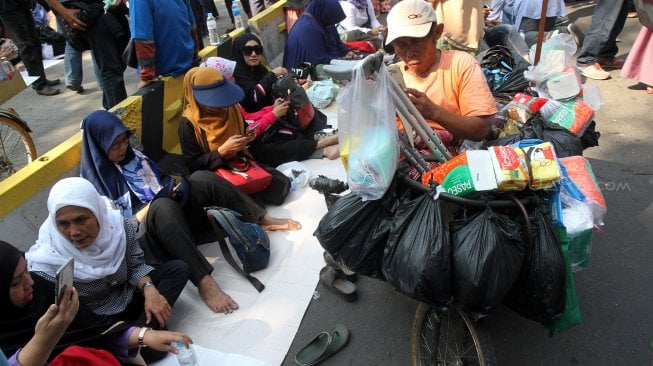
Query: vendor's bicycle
441	335
17	148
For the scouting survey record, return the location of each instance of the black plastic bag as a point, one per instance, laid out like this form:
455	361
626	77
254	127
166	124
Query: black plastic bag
539	292
417	258
564	142
355	232
499	57
488	252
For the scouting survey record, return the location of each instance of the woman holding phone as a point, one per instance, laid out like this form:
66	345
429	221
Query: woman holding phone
110	275
33	329
131	182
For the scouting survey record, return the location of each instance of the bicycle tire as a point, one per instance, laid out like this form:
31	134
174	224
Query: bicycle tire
17	148
428	335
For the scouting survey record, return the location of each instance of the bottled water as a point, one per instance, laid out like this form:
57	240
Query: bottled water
212	25
239	22
186	356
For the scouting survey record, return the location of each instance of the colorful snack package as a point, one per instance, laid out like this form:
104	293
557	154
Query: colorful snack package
580	172
574	115
476	176
544	170
510	168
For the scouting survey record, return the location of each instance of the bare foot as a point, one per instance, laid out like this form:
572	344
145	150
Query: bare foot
327	141
331	152
214	297
270	223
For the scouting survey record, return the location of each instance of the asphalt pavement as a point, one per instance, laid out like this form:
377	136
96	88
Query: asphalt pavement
615	294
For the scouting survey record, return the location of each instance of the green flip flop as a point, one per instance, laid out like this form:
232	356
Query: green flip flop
323	346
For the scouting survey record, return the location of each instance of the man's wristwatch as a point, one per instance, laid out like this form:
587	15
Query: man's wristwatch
141	335
145	284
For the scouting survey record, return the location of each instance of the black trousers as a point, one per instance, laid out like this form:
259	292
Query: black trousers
108	36
171	230
20	27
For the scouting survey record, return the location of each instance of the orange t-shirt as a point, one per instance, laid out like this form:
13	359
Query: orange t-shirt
456	84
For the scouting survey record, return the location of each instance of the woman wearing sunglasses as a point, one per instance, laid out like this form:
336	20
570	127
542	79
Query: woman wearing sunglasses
254	78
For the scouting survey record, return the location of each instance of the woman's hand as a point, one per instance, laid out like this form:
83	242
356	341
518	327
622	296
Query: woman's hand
375	31
279	71
70	15
233	146
280	107
161	340
156	305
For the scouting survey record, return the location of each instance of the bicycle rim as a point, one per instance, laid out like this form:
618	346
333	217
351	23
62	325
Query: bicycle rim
447	337
16	147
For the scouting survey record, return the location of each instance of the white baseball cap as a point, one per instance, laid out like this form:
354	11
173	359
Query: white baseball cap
410	18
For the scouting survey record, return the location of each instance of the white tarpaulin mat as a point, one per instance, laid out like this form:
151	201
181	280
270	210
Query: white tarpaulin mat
266	323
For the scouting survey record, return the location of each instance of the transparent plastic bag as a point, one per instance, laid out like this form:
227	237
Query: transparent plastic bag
370	136
555	75
297	172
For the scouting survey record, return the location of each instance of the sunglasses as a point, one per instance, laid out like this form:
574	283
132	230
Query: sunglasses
247	50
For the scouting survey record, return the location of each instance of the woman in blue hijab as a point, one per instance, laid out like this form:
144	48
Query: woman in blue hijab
133	183
314	37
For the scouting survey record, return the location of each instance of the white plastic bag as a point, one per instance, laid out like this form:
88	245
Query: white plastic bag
370	140
322	93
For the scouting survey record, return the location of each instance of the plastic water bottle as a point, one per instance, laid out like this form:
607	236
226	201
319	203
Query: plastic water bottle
212	25
186	356
243	14
239	22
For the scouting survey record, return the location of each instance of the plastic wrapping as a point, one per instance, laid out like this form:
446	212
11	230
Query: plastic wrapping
370	136
355	231
555	75
417	258
539	292
297	172
488	253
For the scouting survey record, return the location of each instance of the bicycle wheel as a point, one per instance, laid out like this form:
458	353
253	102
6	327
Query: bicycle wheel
448	337
16	147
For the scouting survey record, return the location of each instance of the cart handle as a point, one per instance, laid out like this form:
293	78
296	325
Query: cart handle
344	70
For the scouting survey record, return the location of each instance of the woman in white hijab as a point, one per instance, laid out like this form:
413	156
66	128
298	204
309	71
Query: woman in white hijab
110	274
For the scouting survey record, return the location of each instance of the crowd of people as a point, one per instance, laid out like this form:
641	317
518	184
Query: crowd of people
134	249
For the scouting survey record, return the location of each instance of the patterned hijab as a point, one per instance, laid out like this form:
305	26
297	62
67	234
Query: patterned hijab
218	124
136	173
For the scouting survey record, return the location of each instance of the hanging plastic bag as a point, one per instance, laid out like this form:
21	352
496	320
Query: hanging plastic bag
571	316
488	252
417	258
539	292
354	231
371	135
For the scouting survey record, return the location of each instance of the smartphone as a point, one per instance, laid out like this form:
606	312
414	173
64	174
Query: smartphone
251	129
63	278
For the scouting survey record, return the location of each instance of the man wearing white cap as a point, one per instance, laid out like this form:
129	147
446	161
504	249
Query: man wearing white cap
447	87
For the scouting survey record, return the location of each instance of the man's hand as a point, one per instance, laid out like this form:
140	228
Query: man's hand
424	105
70	15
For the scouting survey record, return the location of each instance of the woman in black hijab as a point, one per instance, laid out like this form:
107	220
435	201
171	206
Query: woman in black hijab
254	78
26	297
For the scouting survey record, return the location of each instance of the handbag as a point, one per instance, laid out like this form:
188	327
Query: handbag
129	54
77	38
248	240
245	174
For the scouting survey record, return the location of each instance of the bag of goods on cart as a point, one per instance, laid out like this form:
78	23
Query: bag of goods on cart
575	115
515	114
355	231
369	144
466	173
571	316
543	169
488	252
539	292
555	75
504	72
417	257
579	170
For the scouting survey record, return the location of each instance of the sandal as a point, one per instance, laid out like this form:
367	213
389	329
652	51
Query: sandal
649	90
346	289
323	346
342	271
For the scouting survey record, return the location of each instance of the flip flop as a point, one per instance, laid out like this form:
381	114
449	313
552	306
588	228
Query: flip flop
346	289
323	346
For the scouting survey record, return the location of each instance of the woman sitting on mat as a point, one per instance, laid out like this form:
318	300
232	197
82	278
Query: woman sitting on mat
212	132
131	181
110	275
33	330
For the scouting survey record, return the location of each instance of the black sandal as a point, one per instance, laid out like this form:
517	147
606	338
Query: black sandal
346	289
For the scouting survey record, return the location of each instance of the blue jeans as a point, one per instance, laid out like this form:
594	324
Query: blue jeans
72	66
601	38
